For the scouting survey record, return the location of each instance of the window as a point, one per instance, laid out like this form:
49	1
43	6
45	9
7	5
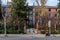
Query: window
30	13
49	9
49	15
30	21
56	9
55	15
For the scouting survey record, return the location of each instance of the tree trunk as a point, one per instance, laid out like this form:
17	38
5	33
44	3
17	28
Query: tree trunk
25	28
18	25
55	27
5	24
37	28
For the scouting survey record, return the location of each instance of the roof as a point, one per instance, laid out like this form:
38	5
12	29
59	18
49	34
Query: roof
53	7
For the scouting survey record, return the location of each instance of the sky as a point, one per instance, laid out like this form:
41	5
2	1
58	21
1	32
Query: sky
49	2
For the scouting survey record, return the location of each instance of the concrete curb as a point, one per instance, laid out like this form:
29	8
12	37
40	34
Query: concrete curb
28	35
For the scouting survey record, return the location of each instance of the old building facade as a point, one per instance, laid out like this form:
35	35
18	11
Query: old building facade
51	14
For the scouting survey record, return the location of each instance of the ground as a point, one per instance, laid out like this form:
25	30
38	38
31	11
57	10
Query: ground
29	38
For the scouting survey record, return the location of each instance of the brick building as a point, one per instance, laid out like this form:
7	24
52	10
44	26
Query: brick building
51	14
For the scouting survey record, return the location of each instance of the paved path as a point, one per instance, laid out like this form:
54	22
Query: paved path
30	38
28	35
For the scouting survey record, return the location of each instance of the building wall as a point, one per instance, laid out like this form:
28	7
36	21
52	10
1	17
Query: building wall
51	14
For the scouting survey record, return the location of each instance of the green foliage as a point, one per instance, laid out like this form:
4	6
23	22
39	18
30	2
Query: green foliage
19	14
1	28
19	10
58	4
42	32
1	31
59	12
14	31
54	32
0	12
0	8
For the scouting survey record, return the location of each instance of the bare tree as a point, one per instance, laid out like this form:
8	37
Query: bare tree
42	11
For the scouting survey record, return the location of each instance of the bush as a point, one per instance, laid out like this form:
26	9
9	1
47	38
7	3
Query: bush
19	31
9	30
54	32
1	31
42	32
14	31
1	28
58	31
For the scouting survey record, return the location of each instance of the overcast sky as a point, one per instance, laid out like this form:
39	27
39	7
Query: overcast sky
49	2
